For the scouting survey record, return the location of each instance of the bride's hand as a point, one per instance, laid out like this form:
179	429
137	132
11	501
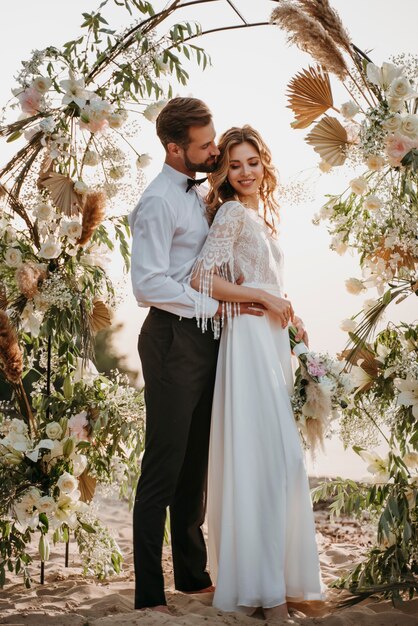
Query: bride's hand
280	307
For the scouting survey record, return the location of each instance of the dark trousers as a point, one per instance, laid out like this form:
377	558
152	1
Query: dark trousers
179	365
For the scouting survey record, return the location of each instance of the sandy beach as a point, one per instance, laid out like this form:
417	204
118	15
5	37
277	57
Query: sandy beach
68	599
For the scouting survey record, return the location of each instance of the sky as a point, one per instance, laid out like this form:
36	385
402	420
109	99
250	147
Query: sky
247	84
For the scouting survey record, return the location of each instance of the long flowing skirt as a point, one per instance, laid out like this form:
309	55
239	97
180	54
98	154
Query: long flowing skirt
262	546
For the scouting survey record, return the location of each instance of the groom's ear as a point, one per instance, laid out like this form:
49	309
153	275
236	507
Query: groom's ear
174	149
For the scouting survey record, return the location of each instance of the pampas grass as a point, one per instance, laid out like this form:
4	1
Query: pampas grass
93	215
322	11
27	279
310	36
10	353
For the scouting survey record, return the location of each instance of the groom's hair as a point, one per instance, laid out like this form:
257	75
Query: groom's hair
178	115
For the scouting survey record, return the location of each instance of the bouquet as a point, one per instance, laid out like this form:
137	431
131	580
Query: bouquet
321	390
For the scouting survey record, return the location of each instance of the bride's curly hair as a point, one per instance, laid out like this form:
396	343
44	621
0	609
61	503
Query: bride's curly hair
221	190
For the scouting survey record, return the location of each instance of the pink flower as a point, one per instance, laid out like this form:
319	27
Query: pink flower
78	425
95	126
397	146
315	368
30	101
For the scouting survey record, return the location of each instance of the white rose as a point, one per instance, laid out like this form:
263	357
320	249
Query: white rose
13	257
324	166
372	203
67	483
46	504
44	211
53	430
400	89
117	119
359	185
349	109
72	229
91	158
41	84
395	105
50	249
354	286
409	125
116	172
81	187
348	325
143	160
18	426
375	162
152	111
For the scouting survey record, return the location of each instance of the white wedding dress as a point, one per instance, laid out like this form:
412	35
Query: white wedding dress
262	546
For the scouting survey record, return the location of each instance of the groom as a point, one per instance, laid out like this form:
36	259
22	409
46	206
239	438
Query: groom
169	227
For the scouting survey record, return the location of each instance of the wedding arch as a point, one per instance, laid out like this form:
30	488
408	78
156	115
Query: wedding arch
66	427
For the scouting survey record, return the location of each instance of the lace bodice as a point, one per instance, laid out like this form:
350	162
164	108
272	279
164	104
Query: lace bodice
239	242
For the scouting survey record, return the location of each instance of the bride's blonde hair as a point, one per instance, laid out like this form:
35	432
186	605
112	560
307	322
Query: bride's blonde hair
220	189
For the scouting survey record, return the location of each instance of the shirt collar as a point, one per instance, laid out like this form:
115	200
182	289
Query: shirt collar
175	175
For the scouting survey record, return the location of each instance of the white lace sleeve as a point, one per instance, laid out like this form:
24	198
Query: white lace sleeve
217	257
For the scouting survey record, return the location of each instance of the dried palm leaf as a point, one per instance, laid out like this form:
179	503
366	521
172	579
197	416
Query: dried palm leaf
62	193
11	358
310	95
100	316
87	486
329	138
44	171
405	258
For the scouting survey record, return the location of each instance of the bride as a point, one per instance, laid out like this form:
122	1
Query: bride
262	547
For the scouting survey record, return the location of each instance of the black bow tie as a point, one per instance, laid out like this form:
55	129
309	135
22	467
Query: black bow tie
191	182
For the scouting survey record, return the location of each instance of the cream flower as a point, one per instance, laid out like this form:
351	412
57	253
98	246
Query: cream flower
372	203
348	325
408	396
152	111
31	322
74	91
91	158
41	84
118	118
67	483
392	123
47	124
46	504
143	160
369	304
13	257
44	211
79	464
81	187
359	377
78	425
116	172
395	105
401	89
349	109
53	430
359	185
354	286
339	245
377	465
375	162
409	125
50	249
383	76
72	229
85	371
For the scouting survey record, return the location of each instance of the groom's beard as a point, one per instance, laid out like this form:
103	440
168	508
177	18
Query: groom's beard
207	166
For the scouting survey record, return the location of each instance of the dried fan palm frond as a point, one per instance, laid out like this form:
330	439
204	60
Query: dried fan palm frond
322	11
93	215
62	193
87	486
11	360
310	96
329	139
100	316
310	36
44	171
405	258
